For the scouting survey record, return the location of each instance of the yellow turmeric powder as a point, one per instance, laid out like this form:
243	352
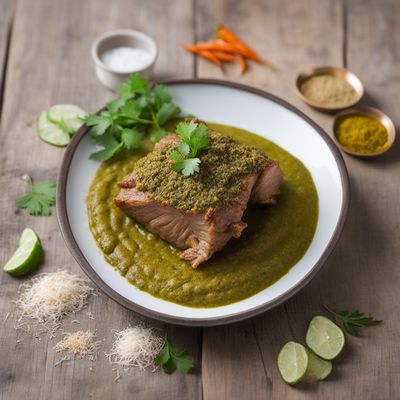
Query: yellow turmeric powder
362	134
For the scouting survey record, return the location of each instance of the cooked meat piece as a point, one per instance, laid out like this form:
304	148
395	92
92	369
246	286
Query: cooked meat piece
267	186
199	233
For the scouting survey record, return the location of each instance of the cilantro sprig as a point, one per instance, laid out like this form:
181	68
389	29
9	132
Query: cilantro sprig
41	198
126	120
173	357
353	320
194	139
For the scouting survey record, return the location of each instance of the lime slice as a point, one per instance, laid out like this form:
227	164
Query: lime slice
27	256
318	369
68	113
293	362
325	338
51	133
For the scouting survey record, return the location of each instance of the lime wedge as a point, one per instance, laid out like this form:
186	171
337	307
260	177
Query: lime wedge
68	113
293	362
325	338
318	369
51	133
27	256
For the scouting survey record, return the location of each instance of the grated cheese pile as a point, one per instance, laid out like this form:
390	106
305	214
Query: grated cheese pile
80	343
136	347
49	297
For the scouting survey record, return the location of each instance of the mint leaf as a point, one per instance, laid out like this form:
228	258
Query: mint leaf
40	200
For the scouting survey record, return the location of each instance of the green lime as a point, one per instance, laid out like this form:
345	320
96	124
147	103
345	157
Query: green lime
318	369
51	133
27	256
68	113
325	338
293	362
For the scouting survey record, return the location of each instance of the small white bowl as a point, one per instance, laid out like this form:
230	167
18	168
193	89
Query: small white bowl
122	37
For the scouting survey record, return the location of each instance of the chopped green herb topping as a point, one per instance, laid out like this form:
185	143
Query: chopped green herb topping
225	164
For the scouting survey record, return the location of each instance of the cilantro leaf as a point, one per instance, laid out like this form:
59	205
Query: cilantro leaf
183	148
194	138
40	200
131	138
353	320
172	357
176	156
166	112
139	108
114	105
161	95
110	147
134	84
185	130
187	167
98	123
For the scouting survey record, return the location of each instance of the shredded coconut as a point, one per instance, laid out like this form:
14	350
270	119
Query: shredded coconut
136	347
47	298
80	343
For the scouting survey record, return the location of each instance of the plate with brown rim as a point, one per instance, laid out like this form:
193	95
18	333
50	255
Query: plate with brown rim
231	104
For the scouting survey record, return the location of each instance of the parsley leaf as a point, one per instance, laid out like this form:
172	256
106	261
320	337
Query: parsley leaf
40	200
139	108
194	138
353	320
172	357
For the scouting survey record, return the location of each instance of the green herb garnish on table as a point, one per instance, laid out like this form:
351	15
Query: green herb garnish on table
353	320
41	198
194	139
126	120
173	357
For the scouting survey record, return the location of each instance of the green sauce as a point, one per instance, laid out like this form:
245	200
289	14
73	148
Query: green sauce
276	237
222	170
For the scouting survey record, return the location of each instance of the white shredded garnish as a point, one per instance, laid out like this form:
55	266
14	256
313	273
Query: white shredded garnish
136	346
6	317
61	360
80	343
47	298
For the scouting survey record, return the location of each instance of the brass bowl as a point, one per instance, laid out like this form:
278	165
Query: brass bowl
344	73
369	112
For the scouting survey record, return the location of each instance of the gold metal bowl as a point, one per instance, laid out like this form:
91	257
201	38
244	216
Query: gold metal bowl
369	112
343	73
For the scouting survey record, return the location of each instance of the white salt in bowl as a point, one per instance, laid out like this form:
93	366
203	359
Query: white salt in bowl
111	75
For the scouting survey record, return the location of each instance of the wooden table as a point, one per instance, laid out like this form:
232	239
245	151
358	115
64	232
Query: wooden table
45	59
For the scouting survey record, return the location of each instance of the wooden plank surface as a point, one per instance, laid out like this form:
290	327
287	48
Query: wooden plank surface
6	17
48	63
363	270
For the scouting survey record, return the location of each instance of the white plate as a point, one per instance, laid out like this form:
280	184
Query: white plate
242	107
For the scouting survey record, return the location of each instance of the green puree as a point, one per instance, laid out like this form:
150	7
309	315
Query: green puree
275	239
